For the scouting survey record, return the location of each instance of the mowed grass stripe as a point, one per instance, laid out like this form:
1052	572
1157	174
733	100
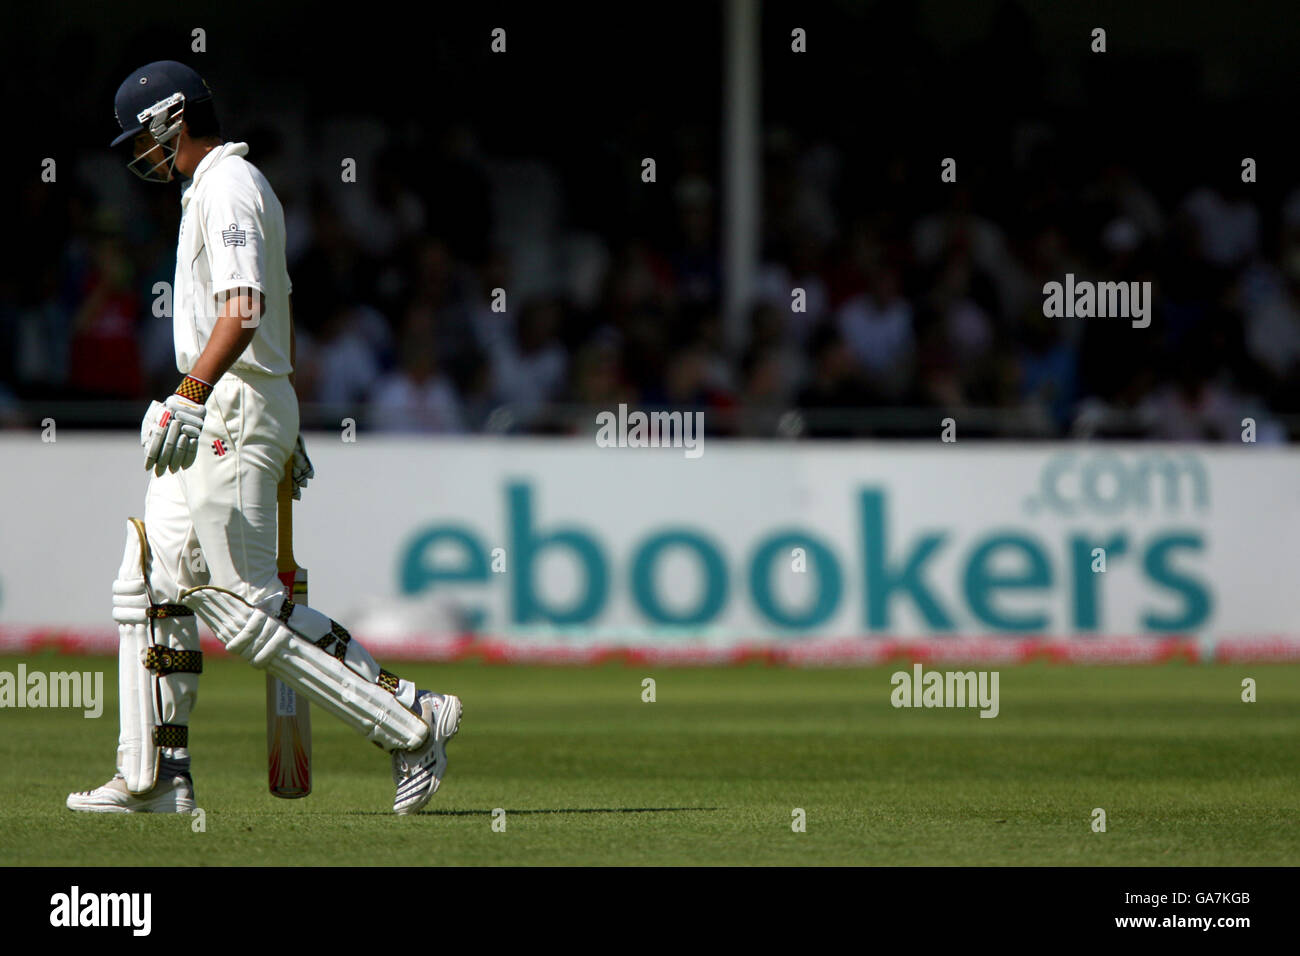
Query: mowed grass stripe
709	773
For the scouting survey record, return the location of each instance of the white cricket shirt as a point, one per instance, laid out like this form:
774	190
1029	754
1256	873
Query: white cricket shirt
232	235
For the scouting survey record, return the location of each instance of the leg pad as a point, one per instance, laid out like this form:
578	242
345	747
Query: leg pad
345	679
158	667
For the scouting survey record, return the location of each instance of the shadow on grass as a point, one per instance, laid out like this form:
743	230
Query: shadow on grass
488	813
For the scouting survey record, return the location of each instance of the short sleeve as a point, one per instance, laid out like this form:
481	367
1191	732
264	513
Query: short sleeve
234	238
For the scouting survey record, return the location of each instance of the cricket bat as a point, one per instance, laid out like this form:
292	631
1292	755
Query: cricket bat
288	716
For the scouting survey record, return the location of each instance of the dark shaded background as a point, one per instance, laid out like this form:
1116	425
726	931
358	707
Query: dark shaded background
521	171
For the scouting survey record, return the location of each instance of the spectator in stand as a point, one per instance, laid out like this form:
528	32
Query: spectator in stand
1273	333
41	333
333	268
529	371
417	396
877	328
689	386
764	397
777	280
104	357
835	385
1047	373
341	365
1196	406
1227	224
597	380
388	215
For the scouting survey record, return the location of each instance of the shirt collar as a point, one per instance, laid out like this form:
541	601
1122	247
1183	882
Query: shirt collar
213	157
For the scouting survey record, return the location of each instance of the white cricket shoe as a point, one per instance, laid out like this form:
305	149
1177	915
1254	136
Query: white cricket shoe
417	774
169	796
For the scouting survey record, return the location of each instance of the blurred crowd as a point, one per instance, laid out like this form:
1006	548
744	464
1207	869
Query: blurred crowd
917	299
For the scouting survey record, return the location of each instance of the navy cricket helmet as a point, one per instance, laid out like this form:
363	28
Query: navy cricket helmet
154	98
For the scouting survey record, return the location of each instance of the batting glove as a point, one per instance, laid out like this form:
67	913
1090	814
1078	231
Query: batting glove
302	469
171	429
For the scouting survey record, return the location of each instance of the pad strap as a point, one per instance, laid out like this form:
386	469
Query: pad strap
168	610
171	735
336	641
165	660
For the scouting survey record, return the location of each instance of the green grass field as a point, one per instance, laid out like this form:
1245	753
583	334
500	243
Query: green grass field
709	773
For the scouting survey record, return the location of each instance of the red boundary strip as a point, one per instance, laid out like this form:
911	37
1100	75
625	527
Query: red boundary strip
791	652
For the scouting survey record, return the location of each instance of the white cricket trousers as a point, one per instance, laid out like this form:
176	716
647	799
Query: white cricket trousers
215	521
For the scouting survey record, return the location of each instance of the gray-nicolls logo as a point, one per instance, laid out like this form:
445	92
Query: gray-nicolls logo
78	909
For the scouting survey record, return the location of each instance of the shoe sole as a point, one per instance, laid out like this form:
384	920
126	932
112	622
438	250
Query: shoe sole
447	727
174	807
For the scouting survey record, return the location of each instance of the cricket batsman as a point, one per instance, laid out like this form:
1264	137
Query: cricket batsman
217	449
